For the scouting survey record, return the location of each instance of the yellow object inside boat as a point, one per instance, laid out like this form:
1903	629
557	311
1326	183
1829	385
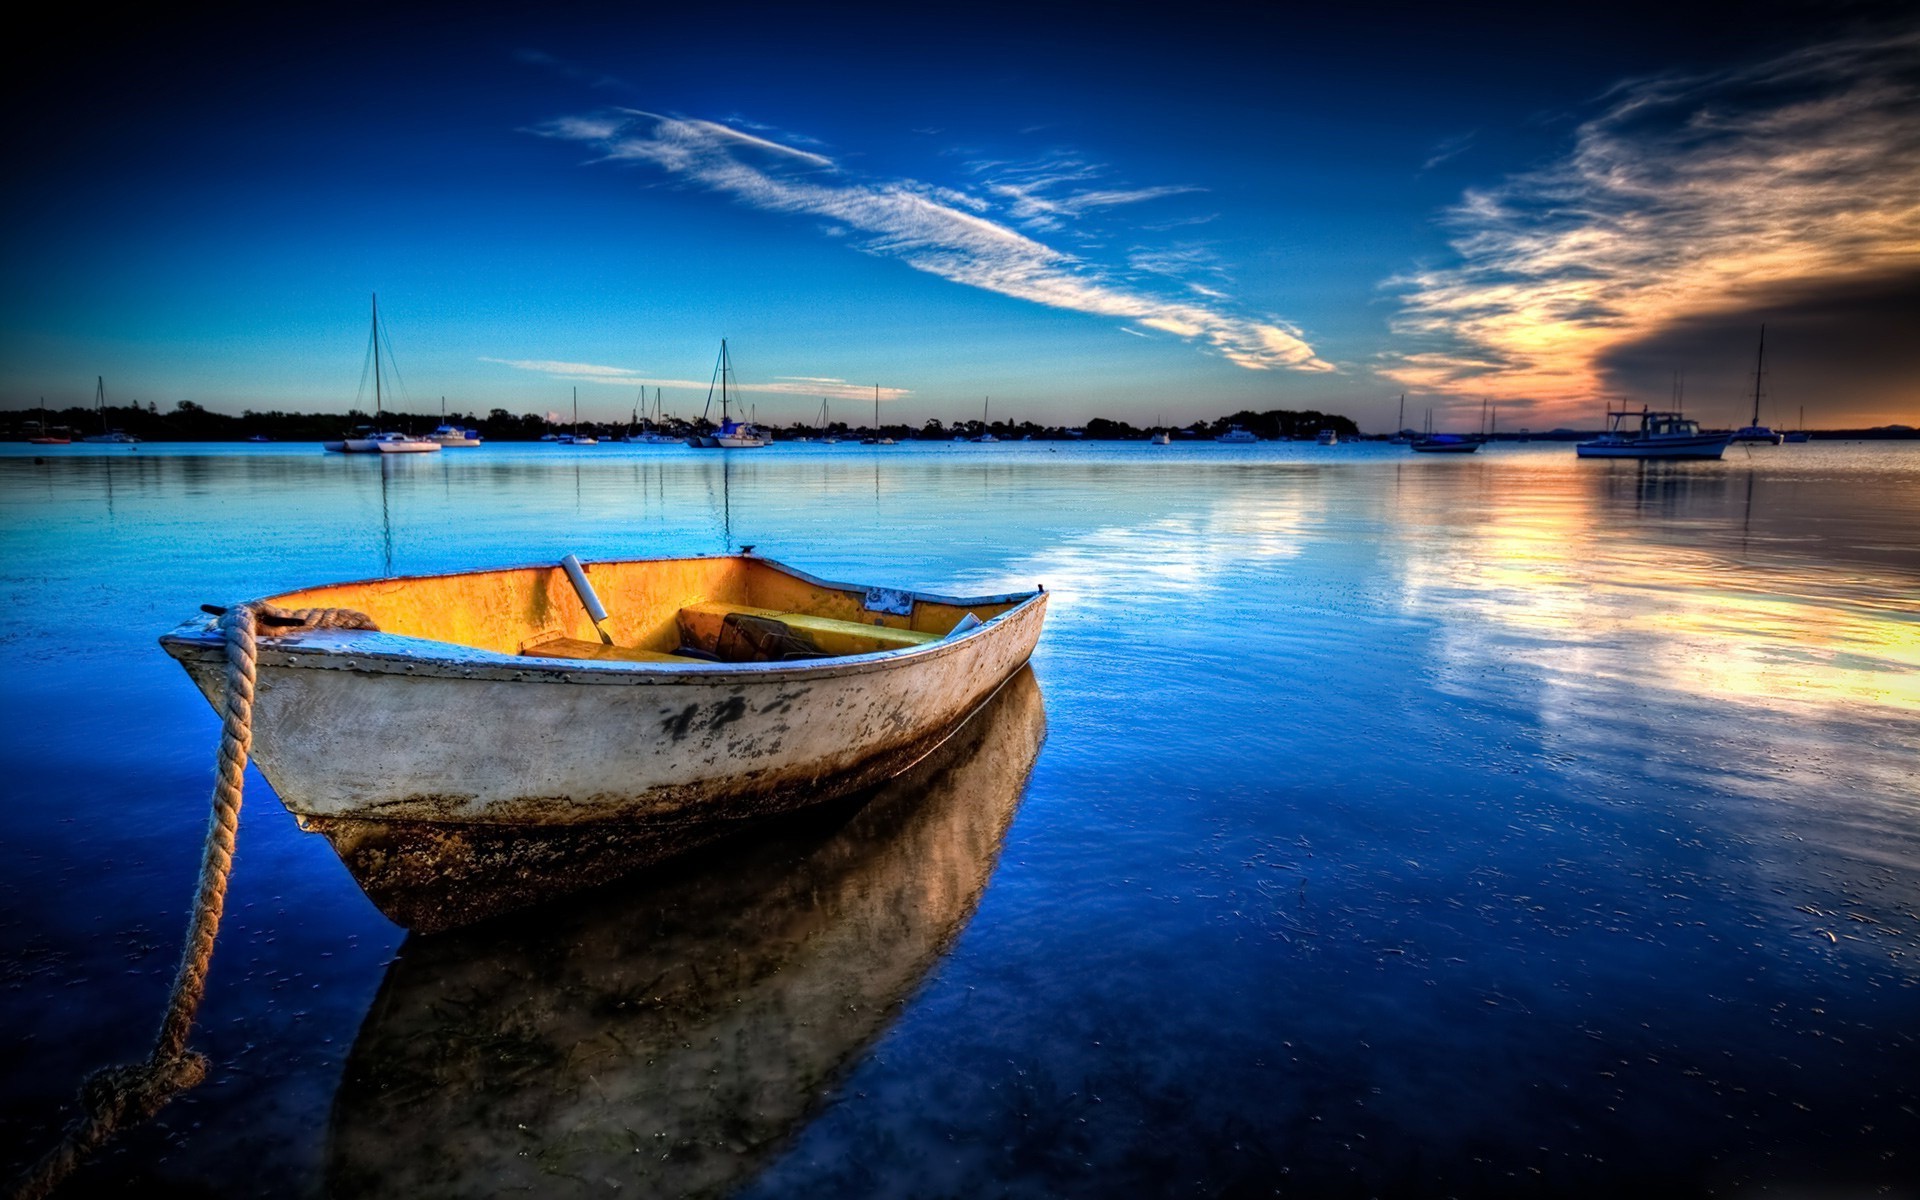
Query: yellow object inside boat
655	607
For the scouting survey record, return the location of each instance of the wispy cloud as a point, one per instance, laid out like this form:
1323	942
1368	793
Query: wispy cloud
942	231
1448	148
1180	262
785	385
579	372
1687	196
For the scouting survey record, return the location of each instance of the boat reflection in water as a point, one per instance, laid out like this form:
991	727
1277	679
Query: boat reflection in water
669	1034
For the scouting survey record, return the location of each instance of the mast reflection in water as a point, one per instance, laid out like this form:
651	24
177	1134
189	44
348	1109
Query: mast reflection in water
670	1033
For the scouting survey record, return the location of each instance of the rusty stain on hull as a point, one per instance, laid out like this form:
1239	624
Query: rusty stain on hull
431	876
398	744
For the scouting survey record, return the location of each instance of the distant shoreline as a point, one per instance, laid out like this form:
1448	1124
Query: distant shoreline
188	422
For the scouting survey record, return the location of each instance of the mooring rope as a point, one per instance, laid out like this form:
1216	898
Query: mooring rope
122	1096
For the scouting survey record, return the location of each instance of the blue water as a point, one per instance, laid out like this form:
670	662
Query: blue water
1509	824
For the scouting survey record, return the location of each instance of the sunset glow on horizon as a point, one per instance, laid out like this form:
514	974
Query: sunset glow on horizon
1145	224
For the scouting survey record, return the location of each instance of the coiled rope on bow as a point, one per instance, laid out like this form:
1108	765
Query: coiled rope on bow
117	1097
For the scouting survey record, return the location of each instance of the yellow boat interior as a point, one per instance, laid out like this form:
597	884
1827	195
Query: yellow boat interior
729	609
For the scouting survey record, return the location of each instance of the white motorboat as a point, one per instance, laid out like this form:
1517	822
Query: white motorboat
1659	435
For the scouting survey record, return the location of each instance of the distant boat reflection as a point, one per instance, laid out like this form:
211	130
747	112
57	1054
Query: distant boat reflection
669	1034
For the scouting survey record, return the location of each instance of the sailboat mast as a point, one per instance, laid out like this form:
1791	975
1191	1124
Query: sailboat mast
726	366
576	411
1759	363
876	410
376	361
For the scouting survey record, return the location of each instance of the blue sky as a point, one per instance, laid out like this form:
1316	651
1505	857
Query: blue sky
1180	213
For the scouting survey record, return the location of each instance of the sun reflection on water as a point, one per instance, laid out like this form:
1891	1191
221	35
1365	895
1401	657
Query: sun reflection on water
1600	581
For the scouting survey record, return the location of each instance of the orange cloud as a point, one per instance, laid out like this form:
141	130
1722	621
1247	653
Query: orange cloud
1687	197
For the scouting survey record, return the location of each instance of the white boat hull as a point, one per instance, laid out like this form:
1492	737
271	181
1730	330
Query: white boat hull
381	446
487	746
1679	448
494	738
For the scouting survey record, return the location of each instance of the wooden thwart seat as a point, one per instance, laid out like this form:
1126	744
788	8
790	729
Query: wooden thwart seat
701	623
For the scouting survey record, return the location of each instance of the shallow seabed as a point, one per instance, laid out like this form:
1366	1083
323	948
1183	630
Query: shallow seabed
1484	825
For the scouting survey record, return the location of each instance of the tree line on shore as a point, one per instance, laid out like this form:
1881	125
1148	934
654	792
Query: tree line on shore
190	422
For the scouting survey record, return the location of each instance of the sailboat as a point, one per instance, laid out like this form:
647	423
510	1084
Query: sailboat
1402	436
1447	443
50	435
826	425
652	432
106	436
576	438
879	437
987	429
731	435
1799	434
372	439
1754	431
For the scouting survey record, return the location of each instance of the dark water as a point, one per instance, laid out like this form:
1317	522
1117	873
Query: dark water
1368	825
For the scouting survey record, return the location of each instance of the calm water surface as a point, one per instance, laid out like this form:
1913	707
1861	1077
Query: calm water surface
1368	825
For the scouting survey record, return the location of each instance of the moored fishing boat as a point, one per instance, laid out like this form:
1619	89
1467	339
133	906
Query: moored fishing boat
1660	435
705	693
453	437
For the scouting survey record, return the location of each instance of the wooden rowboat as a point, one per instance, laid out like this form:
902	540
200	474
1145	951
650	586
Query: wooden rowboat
494	744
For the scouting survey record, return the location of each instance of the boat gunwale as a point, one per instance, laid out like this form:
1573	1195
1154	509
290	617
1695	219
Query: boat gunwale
388	653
